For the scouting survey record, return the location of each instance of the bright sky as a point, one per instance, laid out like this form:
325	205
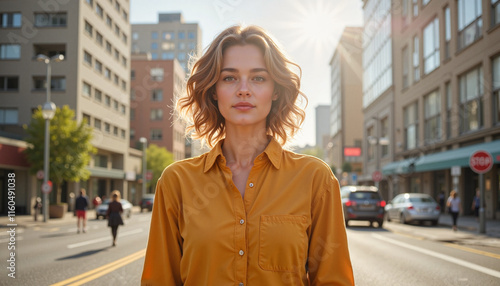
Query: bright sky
308	31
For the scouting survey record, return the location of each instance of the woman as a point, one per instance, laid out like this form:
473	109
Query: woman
455	207
247	212
476	204
114	214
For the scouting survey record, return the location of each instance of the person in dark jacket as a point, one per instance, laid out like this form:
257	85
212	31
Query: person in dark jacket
81	206
114	214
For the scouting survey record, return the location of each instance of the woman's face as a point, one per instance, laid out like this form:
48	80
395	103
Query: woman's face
245	89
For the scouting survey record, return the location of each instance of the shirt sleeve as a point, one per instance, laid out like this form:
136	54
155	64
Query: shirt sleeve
163	253
329	262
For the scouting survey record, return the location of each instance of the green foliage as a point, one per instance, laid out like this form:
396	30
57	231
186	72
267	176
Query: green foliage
157	159
70	146
347	167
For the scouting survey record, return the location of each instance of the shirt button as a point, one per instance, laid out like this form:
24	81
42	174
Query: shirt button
242	221
241	284
251	185
241	252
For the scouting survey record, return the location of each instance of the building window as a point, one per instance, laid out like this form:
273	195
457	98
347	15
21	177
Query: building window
154	56
135	36
156	74
115	104
384	124
117	30
181	35
471	105
157	95
168	35
123	110
98	38
416	60
404	13
50	19
124	15
132	114
90	2
115	130
10	20
447	32
495	12
156	114
371	147
431	46
107	127
117	6
9	116
99	11
56	83
86	119
8	83
432	125
415	8
87	58
98	95
167	55
98	66
124	61
89	29
86	89
425	2
117	55
107	100
191	35
124	38
191	46
154	35
449	104
154	46
109	22
107	73
470	23
132	134
411	126
132	74
181	57
10	52
49	50
108	47
123	85
156	134
406	67
496	89
117	79
101	160
97	123
123	133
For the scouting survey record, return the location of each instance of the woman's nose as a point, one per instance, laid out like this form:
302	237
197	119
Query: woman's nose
243	89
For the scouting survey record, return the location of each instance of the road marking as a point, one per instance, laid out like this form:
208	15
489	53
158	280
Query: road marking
5	240
441	256
97	240
485	253
101	271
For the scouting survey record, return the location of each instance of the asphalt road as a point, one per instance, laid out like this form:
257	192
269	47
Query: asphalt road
394	255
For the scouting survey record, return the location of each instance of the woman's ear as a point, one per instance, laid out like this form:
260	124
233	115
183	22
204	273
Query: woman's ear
275	97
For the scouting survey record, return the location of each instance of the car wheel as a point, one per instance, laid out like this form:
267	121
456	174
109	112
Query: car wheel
402	218
380	223
434	222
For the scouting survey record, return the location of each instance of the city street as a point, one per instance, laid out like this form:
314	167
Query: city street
394	255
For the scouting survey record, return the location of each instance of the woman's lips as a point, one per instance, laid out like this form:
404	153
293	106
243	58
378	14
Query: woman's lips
243	106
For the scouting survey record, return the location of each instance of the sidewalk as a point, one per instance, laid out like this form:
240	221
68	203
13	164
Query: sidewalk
69	218
470	225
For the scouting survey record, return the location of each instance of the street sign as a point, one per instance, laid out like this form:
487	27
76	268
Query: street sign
149	175
47	187
481	161
40	174
377	176
456	170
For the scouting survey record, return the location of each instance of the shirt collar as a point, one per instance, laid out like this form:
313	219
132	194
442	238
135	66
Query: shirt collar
273	151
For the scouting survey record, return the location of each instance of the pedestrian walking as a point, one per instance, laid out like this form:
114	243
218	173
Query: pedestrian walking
248	211
37	207
476	204
114	214
454	207
81	206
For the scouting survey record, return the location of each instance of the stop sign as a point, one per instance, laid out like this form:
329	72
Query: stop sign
481	161
377	176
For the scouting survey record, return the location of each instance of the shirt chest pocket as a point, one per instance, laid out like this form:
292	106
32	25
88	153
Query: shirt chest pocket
283	242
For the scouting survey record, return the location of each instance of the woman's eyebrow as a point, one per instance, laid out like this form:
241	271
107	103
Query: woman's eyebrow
252	70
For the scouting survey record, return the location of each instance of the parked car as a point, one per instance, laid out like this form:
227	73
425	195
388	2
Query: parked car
362	203
411	207
147	202
103	208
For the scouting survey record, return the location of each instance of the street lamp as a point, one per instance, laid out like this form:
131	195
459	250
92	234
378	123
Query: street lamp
144	142
48	112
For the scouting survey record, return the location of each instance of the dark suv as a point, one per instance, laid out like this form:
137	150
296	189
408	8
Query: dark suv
147	202
362	203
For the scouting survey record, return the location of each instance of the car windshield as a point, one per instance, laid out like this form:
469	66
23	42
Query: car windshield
421	200
364	196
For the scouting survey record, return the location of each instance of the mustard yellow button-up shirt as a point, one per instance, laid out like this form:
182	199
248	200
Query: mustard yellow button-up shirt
288	229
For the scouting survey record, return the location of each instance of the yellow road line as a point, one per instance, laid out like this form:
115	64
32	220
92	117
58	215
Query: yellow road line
485	253
100	271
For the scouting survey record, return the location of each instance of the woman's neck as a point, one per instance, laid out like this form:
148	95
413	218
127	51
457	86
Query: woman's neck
242	149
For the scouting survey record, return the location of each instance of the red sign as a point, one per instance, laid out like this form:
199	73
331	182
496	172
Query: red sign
377	176
352	151
40	174
481	161
47	187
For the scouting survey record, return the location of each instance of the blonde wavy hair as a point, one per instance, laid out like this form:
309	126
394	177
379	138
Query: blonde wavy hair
200	110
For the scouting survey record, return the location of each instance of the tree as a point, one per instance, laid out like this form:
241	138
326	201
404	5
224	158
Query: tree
157	159
70	147
347	167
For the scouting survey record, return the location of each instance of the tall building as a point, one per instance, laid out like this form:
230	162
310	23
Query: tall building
170	38
446	98
378	89
93	79
322	129
346	114
154	86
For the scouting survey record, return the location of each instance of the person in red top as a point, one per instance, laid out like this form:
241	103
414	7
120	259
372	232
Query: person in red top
248	212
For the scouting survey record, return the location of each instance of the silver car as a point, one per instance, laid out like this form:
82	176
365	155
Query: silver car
411	207
102	209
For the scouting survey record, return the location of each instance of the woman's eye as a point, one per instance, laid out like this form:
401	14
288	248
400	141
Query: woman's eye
228	78
259	78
